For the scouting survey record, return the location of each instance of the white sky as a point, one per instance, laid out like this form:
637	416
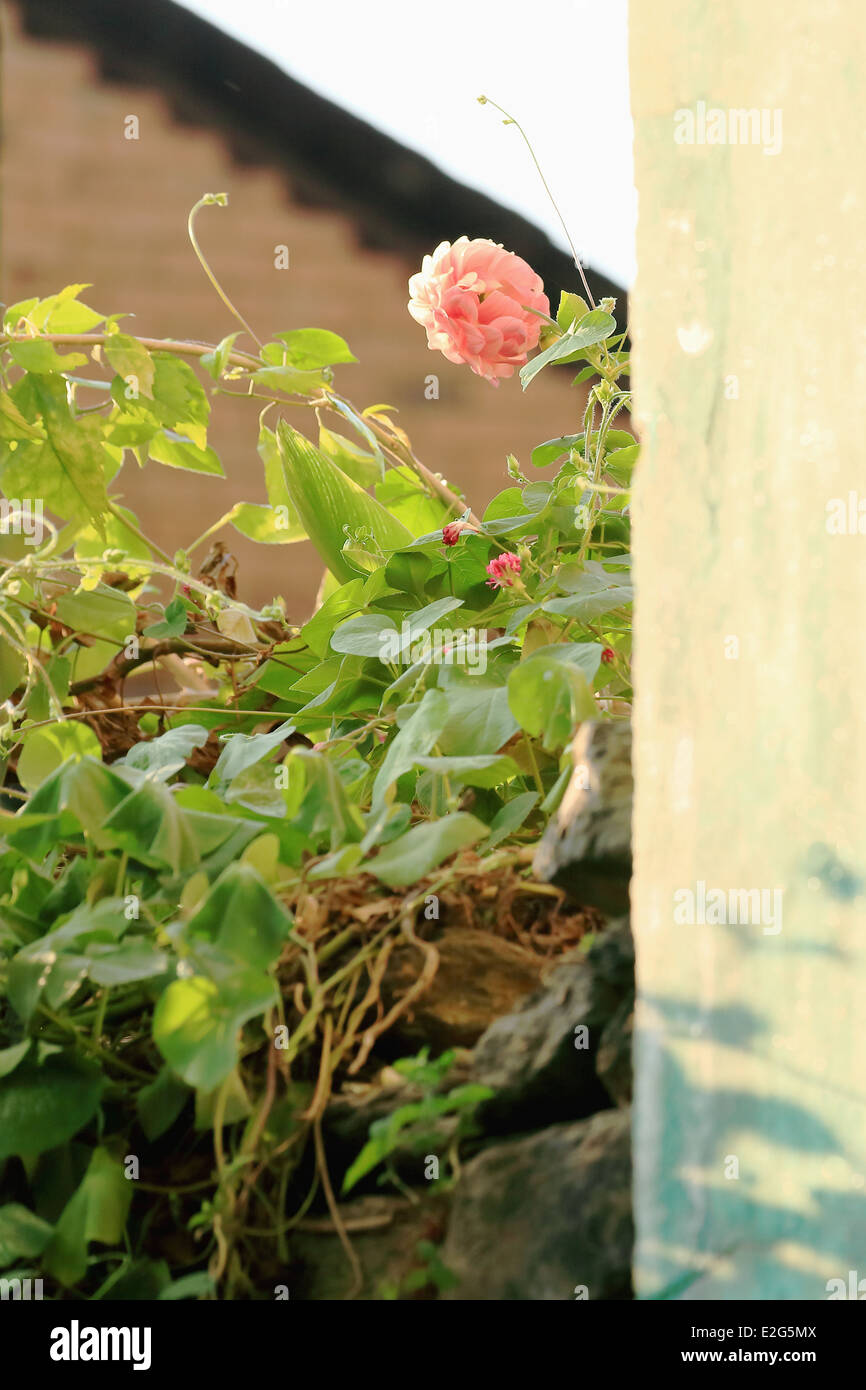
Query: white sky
560	67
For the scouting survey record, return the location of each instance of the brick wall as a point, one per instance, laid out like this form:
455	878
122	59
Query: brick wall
82	203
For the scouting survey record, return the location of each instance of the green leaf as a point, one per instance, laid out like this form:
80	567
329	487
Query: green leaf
406	498
485	770
13	668
157	830
43	1106
11	1056
416	738
178	452
242	751
167	754
242	917
61	313
131	359
548	698
89	544
42	358
571	310
363	467
288	379
421	849
159	1104
197	1285
594	596
593	328
365	635
68	470
179	399
553	449
509	818
266	526
327	501
23	1234
196	1023
45	750
122	965
216	362
173	624
78	796
308	348
479	721
349	598
101	612
14	425
97	1211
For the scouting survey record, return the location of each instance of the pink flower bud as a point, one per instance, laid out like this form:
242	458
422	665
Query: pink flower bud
500	567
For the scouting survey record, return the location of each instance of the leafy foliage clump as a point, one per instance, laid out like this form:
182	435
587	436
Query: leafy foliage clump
160	1000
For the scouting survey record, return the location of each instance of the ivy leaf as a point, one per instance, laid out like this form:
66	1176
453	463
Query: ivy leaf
159	1104
68	470
309	348
62	313
415	739
96	1211
266	525
173	624
242	751
548	698
177	452
42	358
242	917
14	425
180	397
216	362
44	750
509	818
196	1023
23	1234
157	830
165	755
43	1106
132	361
421	849
102	612
79	796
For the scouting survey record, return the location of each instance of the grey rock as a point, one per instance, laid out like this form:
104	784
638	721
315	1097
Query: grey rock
534	1059
587	847
613	1064
538	1217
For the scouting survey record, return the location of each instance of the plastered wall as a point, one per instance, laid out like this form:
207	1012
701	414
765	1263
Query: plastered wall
750	365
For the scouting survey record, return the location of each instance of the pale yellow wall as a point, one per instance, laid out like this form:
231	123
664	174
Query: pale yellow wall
750	365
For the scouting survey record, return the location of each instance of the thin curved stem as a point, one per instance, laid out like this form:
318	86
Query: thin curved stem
509	120
215	200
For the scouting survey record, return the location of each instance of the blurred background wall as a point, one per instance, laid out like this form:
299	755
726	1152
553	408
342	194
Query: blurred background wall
80	202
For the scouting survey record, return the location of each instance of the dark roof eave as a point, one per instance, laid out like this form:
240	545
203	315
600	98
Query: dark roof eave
398	200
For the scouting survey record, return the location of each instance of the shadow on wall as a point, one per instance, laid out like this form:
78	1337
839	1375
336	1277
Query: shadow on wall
792	1253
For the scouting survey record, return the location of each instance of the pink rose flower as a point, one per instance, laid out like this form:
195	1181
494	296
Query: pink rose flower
475	301
500	567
